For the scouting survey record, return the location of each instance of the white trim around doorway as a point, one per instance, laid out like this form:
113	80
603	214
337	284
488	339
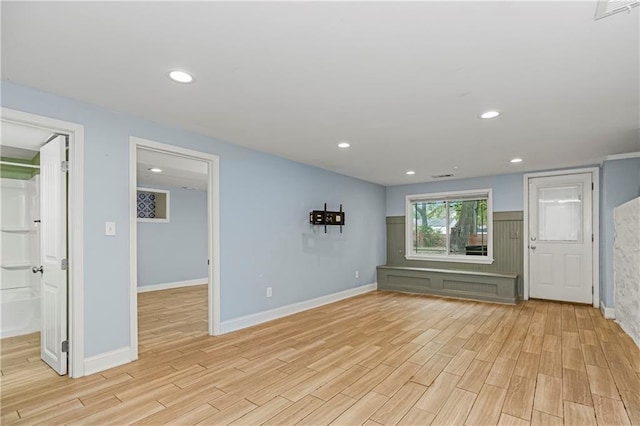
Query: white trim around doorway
595	203
75	240
213	235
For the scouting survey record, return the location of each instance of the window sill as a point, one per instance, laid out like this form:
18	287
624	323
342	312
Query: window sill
458	259
153	220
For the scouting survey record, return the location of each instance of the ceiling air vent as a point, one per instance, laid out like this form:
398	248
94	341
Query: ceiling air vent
609	7
446	175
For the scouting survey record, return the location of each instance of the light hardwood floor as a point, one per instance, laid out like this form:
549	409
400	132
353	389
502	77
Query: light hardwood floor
380	358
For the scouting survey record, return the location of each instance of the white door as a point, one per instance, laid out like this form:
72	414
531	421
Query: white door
561	238
53	252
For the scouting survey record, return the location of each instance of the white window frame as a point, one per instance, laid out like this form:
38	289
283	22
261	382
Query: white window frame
167	194
448	196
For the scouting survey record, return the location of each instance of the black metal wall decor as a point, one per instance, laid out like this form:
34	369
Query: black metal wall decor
324	217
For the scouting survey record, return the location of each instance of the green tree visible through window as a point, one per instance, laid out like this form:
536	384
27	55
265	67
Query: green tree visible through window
463	224
470	218
430	221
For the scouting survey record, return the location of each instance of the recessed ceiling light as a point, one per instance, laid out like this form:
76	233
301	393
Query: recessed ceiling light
180	76
344	144
490	114
411	172
155	170
456	167
516	160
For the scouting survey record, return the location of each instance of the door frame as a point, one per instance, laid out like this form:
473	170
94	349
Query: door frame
75	233
213	231
595	217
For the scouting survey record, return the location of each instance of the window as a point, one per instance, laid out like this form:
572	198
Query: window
450	227
153	205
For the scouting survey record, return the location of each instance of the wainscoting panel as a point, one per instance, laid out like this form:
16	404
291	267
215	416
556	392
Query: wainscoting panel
507	248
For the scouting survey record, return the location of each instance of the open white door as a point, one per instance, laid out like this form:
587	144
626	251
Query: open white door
53	249
561	238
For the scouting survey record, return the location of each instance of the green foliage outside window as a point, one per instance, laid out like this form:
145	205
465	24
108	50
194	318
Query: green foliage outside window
463	223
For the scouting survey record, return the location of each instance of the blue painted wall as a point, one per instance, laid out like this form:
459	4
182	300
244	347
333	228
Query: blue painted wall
176	250
265	236
620	182
507	191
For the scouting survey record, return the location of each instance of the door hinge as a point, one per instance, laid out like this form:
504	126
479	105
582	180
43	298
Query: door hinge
592	186
593	238
65	346
64	264
65	166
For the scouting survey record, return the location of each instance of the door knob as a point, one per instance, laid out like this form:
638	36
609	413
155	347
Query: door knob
533	247
533	238
35	270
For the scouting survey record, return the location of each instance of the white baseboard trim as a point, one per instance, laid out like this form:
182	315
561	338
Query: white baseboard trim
283	311
107	360
607	312
177	284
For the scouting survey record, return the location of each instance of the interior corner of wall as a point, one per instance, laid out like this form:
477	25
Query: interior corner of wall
608	312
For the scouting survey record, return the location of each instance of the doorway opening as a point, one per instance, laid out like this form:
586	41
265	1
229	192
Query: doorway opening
174	228
42	237
561	241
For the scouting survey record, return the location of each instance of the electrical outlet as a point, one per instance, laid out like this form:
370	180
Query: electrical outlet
269	292
357	274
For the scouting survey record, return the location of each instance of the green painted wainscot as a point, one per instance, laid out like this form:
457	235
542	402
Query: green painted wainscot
16	172
500	281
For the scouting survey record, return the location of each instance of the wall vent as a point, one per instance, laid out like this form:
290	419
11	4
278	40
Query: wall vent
609	7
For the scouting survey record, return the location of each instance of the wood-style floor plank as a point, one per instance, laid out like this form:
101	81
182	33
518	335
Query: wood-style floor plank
487	407
376	359
396	408
576	414
519	400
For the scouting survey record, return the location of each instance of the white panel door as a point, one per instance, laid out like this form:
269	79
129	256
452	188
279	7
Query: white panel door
560	238
53	250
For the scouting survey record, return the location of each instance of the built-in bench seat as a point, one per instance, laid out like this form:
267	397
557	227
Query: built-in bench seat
491	286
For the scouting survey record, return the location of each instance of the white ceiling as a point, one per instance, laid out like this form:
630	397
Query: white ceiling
402	81
177	172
